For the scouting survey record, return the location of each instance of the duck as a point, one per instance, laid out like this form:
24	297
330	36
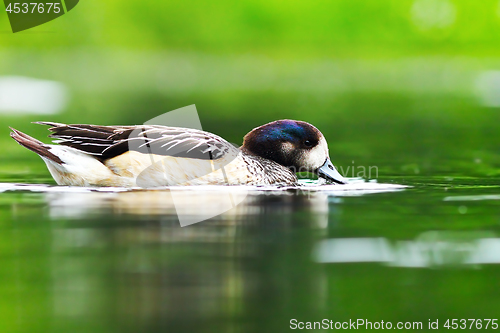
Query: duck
157	156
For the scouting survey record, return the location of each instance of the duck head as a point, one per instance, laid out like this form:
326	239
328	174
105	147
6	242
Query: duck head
296	145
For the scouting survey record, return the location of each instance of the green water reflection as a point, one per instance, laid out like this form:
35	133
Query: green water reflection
111	267
101	262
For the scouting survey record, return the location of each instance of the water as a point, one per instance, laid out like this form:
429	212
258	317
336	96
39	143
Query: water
76	260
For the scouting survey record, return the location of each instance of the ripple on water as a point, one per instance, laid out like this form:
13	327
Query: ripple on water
191	204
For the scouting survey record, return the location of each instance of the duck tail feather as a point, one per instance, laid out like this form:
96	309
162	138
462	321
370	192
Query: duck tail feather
34	145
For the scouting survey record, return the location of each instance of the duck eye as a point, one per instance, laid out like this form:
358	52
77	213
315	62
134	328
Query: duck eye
308	143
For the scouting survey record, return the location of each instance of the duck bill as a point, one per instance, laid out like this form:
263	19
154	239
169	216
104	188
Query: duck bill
328	172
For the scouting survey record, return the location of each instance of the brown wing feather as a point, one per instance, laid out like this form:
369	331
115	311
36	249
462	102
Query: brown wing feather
109	141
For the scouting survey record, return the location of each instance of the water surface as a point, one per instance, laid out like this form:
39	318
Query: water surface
110	260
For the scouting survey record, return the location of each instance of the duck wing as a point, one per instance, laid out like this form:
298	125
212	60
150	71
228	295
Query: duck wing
110	141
